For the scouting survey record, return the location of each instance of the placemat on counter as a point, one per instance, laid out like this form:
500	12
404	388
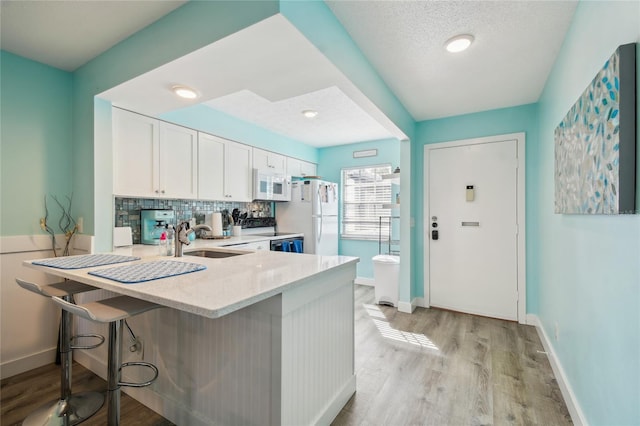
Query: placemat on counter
141	272
84	261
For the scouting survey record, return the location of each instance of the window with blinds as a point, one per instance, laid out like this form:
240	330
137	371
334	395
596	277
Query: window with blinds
364	193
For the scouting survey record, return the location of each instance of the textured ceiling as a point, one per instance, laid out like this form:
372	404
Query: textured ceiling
68	34
279	74
516	44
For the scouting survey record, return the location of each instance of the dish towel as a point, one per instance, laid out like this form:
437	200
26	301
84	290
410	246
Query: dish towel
84	261
297	246
286	246
141	272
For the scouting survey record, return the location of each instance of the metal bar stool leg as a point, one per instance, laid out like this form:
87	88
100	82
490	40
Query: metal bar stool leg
113	371
114	311
71	408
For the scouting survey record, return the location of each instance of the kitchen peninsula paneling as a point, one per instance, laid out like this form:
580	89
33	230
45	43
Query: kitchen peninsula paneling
153	158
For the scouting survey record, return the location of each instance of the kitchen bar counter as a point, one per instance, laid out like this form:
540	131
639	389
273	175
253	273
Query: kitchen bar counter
228	284
262	338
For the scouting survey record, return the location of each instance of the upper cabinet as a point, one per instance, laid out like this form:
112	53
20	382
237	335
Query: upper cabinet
152	158
238	172
300	168
156	159
210	167
225	169
267	160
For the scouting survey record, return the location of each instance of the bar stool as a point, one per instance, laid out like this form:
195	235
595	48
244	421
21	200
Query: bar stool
70	409
114	311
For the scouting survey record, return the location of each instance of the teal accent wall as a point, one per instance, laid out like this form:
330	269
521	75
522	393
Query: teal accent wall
488	123
192	26
318	24
36	147
588	267
209	120
332	161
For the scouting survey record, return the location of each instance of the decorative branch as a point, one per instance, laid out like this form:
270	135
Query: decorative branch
45	227
66	223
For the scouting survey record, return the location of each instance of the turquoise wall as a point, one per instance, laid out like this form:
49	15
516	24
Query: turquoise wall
192	26
331	162
35	143
496	122
318	24
588	267
206	119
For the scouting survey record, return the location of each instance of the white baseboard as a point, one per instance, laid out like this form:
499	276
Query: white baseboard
365	281
335	406
577	416
408	307
27	363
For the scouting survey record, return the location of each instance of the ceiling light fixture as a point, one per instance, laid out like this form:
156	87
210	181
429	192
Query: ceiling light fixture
310	113
184	92
458	43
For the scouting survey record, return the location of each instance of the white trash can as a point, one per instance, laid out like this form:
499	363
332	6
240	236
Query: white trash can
386	274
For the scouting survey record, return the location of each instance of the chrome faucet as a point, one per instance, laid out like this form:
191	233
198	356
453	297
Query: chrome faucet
206	228
182	237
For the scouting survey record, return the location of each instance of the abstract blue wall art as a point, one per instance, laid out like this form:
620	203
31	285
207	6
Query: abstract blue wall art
595	144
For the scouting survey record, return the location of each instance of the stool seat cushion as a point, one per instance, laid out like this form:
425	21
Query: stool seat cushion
61	289
108	310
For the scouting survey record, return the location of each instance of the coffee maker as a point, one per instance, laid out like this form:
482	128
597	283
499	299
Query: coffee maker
153	223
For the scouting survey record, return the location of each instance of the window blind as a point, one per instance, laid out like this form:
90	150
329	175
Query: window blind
364	194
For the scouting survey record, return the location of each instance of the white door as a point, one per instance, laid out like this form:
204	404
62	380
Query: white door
473	265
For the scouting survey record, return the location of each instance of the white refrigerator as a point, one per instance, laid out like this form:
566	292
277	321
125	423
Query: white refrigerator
313	210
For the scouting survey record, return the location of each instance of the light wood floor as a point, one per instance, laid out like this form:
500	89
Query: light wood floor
432	367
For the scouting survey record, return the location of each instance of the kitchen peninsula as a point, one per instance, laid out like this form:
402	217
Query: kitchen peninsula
254	339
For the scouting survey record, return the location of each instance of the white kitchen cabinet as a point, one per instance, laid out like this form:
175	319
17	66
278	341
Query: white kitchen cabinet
210	167
225	170
152	158
238	172
136	154
300	168
178	161
267	160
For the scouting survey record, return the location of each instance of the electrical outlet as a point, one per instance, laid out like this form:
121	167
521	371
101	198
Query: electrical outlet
137	347
557	331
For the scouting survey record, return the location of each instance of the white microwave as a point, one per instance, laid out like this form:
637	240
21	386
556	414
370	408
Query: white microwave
271	186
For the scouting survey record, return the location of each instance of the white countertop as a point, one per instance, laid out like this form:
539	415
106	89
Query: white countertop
242	239
228	284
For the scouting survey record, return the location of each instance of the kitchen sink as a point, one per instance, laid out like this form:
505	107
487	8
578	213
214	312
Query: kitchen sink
213	254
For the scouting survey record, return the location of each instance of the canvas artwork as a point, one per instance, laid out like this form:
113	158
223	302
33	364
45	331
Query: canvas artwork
595	167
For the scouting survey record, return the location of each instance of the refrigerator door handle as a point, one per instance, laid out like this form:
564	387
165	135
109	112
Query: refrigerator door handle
319	199
320	232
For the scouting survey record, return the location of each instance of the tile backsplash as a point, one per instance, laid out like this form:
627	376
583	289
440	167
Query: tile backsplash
127	210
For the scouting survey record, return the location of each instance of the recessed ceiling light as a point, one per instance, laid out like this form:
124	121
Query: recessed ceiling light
309	113
184	92
459	43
